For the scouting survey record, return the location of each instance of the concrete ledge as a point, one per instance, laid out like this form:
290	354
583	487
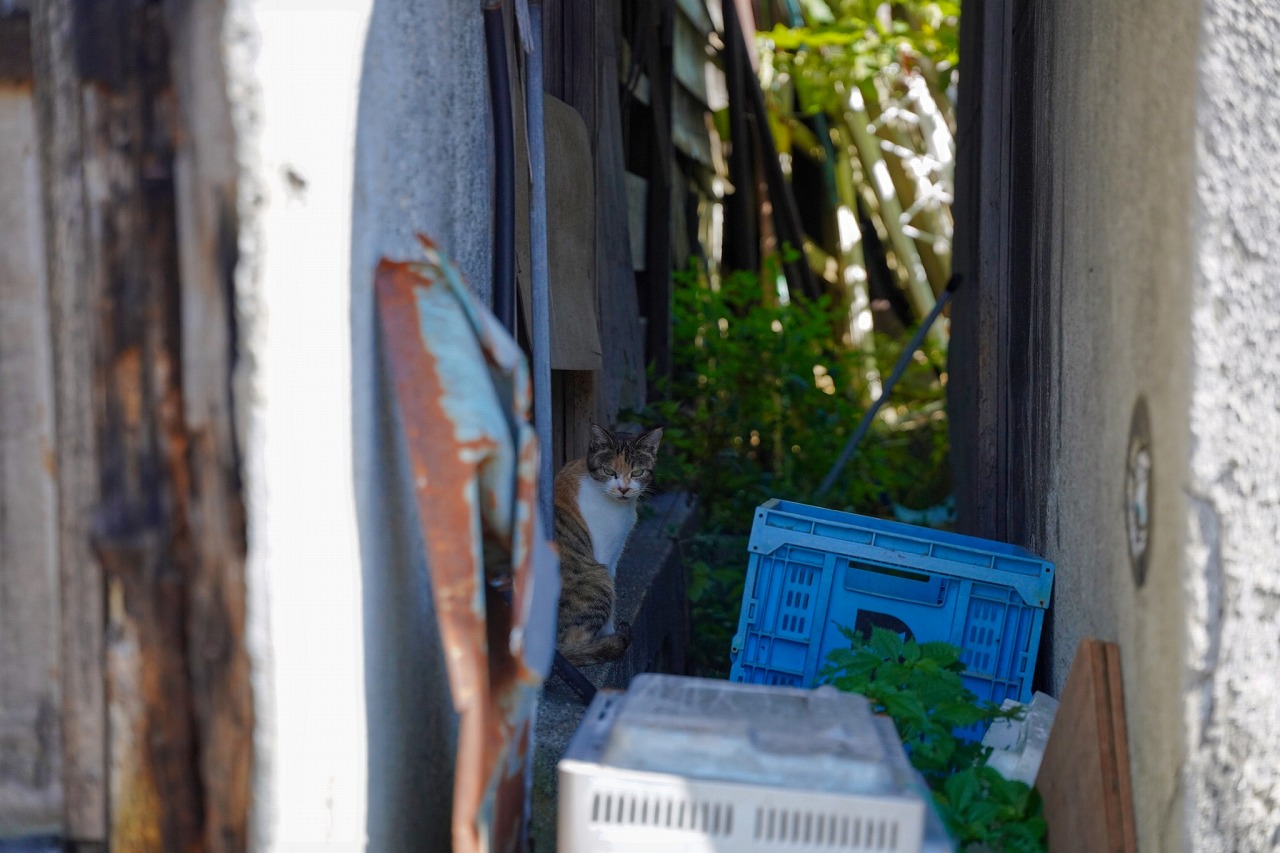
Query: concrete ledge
652	596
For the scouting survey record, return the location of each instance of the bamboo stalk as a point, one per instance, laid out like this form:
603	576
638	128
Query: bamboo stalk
858	122
854	268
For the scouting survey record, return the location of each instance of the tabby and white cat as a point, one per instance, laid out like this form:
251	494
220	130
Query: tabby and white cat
596	499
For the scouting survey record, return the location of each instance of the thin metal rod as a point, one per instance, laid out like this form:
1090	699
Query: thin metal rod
573	677
898	369
538	256
504	179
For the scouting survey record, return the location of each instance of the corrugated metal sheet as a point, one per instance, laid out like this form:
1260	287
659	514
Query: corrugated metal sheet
464	396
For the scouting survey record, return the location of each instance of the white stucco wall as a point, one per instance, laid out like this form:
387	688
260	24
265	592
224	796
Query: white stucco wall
359	124
1232	569
295	71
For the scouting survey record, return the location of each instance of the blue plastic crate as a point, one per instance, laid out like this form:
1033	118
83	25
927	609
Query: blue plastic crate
813	569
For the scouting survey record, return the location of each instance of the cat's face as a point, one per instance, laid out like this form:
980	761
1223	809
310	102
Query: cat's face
622	463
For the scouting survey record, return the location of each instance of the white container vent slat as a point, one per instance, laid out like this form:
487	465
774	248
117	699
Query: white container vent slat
703	766
658	811
825	831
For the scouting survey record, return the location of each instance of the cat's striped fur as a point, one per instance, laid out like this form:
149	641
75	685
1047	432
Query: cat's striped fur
595	503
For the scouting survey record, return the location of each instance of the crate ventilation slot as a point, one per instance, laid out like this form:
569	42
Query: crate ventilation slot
620	808
818	830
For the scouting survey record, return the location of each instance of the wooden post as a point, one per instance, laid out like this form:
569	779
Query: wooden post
657	291
142	247
31	788
72	295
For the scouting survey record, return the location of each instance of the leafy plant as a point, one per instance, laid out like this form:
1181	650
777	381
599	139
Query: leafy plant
762	398
864	90
990	813
764	394
850	43
715	588
918	685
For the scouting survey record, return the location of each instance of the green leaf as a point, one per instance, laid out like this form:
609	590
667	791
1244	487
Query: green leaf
944	653
886	644
818	11
961	789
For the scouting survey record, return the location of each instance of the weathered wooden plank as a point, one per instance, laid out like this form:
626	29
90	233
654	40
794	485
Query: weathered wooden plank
144	339
976	359
205	174
621	382
72	297
141	530
30	782
15	47
741	249
1084	778
656	281
571	243
569	74
1123	780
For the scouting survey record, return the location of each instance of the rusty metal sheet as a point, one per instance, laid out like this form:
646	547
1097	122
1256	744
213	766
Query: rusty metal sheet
464	397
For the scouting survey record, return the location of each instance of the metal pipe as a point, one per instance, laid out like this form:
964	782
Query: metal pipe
903	360
504	170
538	255
541	310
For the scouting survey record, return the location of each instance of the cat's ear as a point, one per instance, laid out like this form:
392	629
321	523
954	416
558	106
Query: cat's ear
649	440
600	436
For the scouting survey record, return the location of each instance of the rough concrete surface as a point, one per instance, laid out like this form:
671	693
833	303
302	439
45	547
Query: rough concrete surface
1232	571
421	165
1114	171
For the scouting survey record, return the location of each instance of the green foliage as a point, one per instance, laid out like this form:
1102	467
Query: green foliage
763	397
849	43
715	593
919	686
988	812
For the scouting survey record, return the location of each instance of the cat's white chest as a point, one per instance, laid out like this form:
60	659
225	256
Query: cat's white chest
608	520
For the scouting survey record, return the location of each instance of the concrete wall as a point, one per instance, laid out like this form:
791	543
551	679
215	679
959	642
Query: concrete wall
359	123
1116	182
421	165
1232	509
1150	210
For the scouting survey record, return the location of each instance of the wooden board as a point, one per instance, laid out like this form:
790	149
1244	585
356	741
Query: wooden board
31	798
1084	778
73	295
571	240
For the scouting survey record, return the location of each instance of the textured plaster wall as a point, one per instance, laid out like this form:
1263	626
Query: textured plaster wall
1232	516
421	165
358	123
1115	192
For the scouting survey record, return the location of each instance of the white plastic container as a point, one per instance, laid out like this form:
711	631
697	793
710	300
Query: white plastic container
695	764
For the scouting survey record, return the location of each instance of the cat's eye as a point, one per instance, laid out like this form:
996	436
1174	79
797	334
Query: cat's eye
639	472
609	472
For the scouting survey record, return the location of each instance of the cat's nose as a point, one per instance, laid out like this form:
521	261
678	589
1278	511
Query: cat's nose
622	490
